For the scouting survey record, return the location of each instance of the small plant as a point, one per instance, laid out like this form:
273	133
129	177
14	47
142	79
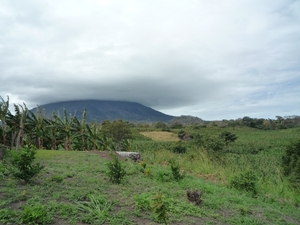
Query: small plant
245	182
159	208
23	196
57	178
35	214
7	215
148	172
116	171
23	164
142	201
244	210
175	167
97	209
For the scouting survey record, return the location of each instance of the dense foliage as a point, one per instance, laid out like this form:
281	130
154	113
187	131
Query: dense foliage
291	163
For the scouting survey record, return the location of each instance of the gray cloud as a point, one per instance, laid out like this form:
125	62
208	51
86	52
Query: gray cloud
211	59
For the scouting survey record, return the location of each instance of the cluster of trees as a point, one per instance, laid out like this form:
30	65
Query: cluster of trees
266	124
64	131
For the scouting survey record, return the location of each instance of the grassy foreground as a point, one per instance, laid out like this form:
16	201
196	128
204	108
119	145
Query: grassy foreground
73	189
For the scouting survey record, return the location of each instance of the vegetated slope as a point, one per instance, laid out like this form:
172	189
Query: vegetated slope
99	110
187	120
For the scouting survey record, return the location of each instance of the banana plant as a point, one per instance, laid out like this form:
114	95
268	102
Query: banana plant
4	109
36	127
81	132
94	137
66	129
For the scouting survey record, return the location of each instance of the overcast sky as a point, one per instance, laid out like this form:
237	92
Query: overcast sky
213	59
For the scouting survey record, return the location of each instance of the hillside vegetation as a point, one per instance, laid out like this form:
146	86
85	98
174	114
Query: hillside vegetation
65	171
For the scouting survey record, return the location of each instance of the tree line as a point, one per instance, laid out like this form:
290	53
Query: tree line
57	132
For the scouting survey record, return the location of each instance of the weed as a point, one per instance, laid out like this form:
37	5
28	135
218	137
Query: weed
7	215
116	171
23	196
163	176
148	172
142	201
57	178
97	209
35	214
244	210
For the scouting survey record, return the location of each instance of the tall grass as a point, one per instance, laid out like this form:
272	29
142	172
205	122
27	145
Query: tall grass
256	150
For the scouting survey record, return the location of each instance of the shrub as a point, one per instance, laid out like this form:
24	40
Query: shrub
159	208
228	137
181	134
116	171
245	182
215	144
291	163
175	167
23	166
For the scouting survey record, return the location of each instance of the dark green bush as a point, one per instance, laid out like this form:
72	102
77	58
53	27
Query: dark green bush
227	137
179	148
291	163
246	181
23	166
116	171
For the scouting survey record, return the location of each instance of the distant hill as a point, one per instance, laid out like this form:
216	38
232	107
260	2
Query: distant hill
100	110
187	120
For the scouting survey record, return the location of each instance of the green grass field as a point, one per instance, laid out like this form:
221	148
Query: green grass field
73	188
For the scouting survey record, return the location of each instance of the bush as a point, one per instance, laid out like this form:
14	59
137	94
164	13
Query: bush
215	144
291	163
245	182
116	171
227	137
23	166
179	149
160	208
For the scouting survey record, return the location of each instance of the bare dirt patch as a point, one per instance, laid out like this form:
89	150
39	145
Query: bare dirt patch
161	135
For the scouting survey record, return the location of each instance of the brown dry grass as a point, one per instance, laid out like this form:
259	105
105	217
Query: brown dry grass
161	135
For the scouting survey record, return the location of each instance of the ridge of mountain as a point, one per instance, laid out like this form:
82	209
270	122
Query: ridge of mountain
100	110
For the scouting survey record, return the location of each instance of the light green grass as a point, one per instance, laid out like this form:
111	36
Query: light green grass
71	179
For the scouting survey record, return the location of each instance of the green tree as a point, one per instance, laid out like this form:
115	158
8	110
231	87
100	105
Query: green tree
117	130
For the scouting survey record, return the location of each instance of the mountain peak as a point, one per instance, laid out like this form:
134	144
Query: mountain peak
100	110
